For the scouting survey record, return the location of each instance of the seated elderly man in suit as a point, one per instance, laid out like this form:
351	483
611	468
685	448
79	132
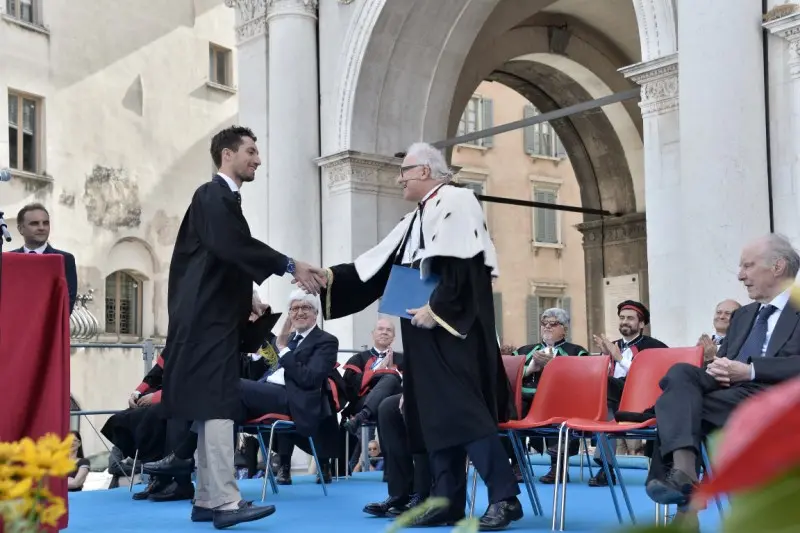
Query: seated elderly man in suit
761	348
297	386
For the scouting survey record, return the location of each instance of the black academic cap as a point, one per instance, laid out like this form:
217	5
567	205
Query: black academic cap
639	307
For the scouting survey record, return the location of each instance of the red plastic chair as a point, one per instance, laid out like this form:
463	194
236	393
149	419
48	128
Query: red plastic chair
282	423
639	394
569	387
515	366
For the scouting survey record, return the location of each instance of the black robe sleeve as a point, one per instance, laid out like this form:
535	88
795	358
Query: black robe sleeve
353	373
346	294
452	303
223	230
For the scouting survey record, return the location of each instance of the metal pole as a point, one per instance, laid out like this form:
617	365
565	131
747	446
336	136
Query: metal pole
543	205
630	94
148	354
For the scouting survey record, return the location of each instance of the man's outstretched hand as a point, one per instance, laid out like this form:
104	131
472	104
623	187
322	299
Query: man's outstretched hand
310	279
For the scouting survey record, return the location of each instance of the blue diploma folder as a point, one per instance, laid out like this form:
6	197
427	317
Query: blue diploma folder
405	290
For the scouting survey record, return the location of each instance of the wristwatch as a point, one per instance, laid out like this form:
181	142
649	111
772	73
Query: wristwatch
290	268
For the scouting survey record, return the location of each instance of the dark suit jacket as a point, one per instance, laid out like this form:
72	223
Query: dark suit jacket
70	271
782	360
306	370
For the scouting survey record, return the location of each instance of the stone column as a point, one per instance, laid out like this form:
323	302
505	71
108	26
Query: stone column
662	164
723	153
293	117
785	110
361	203
253	80
612	247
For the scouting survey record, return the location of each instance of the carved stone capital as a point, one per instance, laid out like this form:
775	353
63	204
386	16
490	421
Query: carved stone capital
251	18
350	171
613	230
278	8
788	28
659	81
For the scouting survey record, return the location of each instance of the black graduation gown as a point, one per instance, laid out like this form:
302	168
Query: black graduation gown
214	265
455	389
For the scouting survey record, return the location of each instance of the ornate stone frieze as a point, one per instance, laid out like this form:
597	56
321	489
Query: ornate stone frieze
276	8
659	81
789	28
613	230
251	18
351	171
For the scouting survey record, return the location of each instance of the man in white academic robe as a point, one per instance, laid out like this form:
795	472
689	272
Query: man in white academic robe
455	390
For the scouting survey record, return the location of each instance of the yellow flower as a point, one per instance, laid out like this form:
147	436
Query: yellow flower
12	490
8	451
49	516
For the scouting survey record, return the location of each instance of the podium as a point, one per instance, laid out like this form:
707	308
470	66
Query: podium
34	351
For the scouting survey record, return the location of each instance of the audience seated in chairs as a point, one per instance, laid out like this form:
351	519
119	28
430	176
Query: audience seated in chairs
761	349
77	477
633	318
408	474
554	325
298	387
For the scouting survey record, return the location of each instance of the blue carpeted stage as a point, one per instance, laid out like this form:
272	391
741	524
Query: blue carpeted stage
303	508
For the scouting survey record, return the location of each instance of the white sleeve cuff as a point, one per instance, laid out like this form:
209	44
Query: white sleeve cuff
752	372
254	357
284	352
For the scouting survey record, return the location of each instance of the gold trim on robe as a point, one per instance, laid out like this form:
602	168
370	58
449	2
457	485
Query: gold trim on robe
450	329
327	303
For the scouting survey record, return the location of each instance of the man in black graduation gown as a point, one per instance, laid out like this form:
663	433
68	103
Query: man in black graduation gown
454	386
633	318
210	299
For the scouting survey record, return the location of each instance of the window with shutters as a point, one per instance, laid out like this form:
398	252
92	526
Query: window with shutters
540	139
24	132
25	11
477	116
545	221
123	304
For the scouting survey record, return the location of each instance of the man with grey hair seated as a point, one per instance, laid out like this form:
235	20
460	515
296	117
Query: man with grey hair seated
761	349
554	325
297	385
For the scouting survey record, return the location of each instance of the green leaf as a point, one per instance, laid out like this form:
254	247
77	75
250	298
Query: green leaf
405	519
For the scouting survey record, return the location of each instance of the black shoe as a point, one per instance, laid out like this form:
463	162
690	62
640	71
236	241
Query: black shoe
550	477
326	473
284	476
173	493
499	515
675	489
156	485
354	424
170	466
202	514
384	508
436	518
600	480
247	512
415	500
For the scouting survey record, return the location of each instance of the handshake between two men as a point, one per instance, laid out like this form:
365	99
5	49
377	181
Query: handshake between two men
310	279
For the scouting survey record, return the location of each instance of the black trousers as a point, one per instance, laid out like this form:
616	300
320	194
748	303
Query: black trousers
448	467
383	386
405	473
691	405
179	434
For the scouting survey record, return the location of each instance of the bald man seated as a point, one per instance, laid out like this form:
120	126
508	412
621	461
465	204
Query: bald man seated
722	321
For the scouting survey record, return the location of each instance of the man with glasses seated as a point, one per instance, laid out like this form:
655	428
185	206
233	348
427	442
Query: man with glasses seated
298	387
553	334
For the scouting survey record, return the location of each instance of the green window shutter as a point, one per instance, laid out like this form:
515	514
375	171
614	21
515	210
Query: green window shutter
529	132
498	314
566	304
487	111
533	319
551	222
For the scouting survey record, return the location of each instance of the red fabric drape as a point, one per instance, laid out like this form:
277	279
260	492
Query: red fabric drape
34	351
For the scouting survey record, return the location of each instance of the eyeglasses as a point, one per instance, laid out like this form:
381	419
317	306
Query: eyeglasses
551	324
301	308
373	449
406	168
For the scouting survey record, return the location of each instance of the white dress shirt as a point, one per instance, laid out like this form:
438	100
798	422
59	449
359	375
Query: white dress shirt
412	247
229	181
39	250
622	366
779	302
277	377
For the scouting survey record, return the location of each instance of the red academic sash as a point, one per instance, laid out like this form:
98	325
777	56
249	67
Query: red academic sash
613	364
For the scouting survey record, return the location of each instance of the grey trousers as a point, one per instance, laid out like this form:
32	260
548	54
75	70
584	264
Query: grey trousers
216	483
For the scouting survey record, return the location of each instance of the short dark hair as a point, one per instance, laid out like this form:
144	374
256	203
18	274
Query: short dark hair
30	207
230	138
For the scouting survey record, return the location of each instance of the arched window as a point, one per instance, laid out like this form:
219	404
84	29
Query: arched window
74	420
123	304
